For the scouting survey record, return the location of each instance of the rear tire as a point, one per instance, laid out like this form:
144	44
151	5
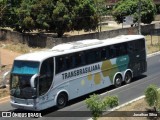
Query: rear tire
118	81
62	100
128	77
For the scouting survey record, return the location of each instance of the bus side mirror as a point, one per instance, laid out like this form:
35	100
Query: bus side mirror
32	80
4	81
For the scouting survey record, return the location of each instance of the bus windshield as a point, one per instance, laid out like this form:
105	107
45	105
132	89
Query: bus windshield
21	74
25	67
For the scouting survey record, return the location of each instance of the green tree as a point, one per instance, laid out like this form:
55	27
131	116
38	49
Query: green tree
85	16
8	13
152	96
97	105
130	7
56	16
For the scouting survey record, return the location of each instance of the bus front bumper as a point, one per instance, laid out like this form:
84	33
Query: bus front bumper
24	106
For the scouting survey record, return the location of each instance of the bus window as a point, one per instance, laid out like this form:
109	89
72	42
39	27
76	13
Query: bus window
79	59
121	49
104	53
140	45
112	51
136	46
97	55
69	62
92	56
60	64
46	76
131	47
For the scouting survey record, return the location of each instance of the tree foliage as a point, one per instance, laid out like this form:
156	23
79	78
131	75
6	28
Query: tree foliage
158	8
101	8
111	101
97	105
152	96
85	16
130	7
57	16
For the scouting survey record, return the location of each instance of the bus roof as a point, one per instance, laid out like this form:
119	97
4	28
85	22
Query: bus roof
71	47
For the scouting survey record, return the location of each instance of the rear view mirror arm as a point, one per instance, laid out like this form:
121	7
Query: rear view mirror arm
33	79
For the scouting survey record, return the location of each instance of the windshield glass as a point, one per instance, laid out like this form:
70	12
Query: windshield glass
21	74
25	67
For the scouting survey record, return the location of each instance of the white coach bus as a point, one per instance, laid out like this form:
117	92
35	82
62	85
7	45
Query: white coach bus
49	78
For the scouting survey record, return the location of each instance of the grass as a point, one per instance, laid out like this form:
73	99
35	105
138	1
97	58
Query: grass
20	48
153	44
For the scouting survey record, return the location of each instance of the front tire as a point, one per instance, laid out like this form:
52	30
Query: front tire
62	100
118	81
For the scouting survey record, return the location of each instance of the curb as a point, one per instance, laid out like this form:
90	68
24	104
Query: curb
153	54
120	106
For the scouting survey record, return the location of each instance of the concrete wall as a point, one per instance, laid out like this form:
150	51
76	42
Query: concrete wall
43	40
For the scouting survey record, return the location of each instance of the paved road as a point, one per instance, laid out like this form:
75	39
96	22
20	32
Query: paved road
124	93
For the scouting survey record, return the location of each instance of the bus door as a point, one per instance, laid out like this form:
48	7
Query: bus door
46	75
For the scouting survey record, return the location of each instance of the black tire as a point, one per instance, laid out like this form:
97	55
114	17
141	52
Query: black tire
118	81
128	77
62	100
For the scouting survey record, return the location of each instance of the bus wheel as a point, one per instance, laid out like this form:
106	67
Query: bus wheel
118	81
128	77
62	100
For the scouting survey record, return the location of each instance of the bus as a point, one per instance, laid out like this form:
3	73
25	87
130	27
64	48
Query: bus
43	79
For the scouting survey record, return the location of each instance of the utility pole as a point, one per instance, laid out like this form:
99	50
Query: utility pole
139	17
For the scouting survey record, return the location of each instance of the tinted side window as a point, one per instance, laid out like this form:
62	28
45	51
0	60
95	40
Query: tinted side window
69	61
136	45
79	59
60	64
104	53
64	62
93	56
112	51
131	47
140	45
121	49
46	76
